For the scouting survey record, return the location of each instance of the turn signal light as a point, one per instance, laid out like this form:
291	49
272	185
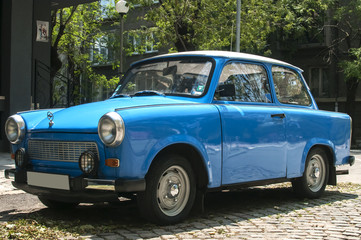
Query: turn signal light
112	162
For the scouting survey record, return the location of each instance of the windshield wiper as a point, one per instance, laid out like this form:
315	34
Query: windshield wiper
119	96
149	93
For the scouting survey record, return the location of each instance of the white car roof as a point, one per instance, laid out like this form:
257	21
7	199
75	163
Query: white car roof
232	55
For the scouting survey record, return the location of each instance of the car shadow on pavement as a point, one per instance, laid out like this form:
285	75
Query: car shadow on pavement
221	208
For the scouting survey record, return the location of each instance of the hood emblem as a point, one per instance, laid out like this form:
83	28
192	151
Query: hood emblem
51	118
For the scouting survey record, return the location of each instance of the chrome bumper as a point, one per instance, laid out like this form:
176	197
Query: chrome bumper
351	160
80	184
10	174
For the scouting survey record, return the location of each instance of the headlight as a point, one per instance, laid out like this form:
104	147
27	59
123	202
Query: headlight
15	129
88	163
111	129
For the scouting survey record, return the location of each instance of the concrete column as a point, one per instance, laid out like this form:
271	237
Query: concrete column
20	56
41	56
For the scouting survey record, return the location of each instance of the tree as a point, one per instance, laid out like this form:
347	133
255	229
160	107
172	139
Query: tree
352	71
200	24
300	22
76	30
346	46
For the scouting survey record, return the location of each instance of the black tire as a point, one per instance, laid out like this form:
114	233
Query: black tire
315	177
57	204
170	191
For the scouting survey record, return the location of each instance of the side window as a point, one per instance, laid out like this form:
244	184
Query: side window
289	87
243	82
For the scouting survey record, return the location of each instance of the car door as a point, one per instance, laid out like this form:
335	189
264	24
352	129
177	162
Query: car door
253	127
303	123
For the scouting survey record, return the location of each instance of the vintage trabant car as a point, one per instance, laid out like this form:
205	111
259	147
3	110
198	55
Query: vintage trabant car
179	125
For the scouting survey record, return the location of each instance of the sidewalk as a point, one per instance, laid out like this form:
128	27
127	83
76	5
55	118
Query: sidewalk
354	175
5	184
6	162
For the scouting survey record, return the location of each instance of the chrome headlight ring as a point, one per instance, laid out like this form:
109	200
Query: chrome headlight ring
15	129
111	129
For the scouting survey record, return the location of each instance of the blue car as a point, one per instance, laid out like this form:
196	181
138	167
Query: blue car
177	126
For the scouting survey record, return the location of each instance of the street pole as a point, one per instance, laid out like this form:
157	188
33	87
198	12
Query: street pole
238	26
122	8
121	44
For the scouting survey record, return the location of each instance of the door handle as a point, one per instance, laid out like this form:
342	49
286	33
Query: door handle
279	115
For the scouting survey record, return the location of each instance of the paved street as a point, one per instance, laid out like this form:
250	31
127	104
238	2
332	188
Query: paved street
259	213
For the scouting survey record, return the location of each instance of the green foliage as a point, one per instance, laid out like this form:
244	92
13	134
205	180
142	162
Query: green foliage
352	68
347	21
347	17
300	22
76	31
199	24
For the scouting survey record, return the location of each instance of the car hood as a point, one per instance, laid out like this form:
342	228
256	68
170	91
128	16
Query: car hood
85	117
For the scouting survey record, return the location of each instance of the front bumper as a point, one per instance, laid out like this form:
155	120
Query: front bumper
81	188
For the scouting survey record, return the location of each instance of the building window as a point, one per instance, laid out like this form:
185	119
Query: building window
149	2
105	6
134	43
318	82
140	42
150	42
101	52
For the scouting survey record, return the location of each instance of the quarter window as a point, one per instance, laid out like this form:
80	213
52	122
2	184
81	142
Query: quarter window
243	82
289	87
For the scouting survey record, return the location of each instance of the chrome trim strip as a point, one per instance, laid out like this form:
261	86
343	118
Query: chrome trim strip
161	105
10	174
100	184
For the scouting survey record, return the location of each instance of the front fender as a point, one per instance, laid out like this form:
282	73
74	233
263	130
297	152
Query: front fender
195	144
150	129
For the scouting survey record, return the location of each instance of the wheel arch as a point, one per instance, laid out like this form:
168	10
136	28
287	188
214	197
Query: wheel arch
332	180
193	156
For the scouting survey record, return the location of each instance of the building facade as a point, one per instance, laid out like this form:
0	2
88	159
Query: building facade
25	40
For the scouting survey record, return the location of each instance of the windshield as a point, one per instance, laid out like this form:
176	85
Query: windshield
168	76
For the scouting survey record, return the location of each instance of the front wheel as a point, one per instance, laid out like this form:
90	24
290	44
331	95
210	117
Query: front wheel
314	180
170	191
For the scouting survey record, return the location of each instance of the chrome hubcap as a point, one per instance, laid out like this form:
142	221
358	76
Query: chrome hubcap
173	191
315	173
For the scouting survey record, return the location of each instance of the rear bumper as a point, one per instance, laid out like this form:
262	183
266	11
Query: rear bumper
351	160
81	188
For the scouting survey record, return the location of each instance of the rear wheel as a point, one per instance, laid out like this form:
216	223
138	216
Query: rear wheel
314	180
170	191
57	204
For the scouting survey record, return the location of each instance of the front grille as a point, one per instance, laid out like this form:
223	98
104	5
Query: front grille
59	151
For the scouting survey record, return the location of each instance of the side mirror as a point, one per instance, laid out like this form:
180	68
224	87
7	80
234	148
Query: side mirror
226	90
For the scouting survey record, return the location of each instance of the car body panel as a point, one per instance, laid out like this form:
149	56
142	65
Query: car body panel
254	143
307	128
148	133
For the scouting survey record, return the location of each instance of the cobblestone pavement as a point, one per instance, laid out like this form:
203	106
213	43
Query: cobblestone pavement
261	214
251	214
271	212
